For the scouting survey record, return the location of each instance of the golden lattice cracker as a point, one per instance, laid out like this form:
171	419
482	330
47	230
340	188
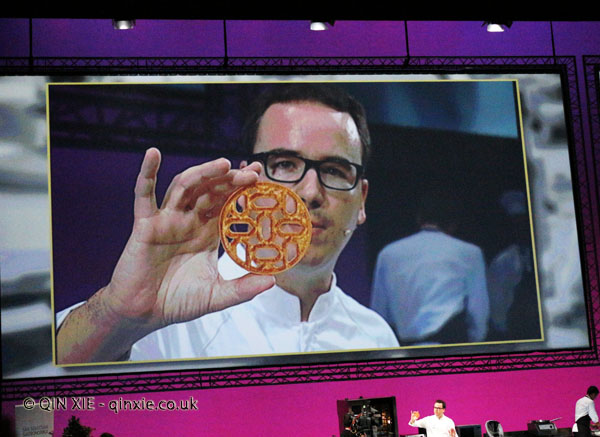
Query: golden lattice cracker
265	228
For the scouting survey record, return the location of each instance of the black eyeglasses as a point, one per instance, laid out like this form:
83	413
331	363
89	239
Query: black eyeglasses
337	174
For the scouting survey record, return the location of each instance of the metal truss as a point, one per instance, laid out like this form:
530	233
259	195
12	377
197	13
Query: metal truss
211	379
264	65
112	65
592	80
390	368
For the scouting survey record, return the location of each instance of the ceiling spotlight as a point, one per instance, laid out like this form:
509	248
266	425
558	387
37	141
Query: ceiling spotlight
497	26
494	27
123	24
321	25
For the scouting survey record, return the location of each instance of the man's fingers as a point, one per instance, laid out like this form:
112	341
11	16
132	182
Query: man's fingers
255	167
209	203
145	197
207	180
192	182
239	290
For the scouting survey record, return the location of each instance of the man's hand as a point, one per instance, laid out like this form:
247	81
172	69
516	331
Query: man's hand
167	272
414	415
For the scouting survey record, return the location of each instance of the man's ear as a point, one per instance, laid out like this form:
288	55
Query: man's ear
362	212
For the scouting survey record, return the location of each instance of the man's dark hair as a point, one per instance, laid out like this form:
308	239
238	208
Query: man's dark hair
439	401
592	390
327	94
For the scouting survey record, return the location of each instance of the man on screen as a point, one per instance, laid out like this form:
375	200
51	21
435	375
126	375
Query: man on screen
436	425
170	297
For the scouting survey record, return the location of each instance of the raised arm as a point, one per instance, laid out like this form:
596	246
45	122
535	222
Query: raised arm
167	272
414	416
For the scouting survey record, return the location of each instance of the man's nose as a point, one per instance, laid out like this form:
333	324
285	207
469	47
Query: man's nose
310	189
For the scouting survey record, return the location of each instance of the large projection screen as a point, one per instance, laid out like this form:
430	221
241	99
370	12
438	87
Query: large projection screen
502	139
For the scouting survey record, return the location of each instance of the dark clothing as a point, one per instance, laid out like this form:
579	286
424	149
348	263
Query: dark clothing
583	427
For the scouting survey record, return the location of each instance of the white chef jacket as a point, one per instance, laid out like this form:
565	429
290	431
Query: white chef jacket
422	281
435	427
585	407
268	324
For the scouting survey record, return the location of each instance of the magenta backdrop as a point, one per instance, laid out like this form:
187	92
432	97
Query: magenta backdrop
513	398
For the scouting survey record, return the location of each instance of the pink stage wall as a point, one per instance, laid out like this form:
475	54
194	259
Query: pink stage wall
513	398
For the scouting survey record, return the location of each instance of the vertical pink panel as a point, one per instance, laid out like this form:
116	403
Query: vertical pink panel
260	38
577	37
149	38
470	38
14	37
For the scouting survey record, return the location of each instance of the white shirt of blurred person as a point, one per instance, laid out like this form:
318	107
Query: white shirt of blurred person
437	425
167	278
430	286
585	413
